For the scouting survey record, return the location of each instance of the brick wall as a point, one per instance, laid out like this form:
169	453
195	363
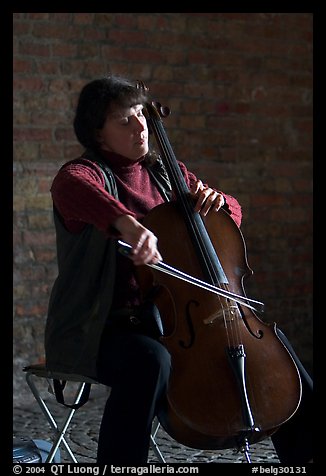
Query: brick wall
240	89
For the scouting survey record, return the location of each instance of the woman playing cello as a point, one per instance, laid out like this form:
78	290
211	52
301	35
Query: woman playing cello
98	322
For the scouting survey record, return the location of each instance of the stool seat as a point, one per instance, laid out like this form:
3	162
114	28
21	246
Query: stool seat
40	370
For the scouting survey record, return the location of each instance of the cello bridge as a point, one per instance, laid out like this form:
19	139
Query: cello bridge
227	314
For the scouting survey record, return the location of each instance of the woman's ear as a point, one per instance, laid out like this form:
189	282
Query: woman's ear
98	136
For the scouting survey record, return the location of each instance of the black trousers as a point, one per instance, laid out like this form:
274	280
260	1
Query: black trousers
137	368
293	441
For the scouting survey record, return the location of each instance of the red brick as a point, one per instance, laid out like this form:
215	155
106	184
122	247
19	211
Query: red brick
32	134
83	18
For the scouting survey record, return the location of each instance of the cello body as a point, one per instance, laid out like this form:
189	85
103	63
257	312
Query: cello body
204	407
232	381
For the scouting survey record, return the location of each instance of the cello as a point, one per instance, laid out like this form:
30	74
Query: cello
233	382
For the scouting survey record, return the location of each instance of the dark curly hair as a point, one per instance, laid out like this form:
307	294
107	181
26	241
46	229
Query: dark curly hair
95	102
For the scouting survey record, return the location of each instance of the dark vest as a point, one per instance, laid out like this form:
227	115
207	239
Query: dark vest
81	296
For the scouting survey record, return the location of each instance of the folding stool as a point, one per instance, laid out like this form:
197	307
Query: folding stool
59	379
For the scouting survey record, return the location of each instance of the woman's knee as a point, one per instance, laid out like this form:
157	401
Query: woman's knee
153	354
132	356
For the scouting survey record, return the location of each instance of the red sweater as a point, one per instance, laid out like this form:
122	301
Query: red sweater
79	195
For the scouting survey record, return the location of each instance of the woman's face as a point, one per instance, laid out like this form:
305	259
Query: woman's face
125	132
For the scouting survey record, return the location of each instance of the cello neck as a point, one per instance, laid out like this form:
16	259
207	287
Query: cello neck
211	265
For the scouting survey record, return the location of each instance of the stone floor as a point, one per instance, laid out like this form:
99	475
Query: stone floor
82	434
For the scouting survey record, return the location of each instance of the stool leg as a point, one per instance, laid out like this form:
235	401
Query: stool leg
154	445
60	432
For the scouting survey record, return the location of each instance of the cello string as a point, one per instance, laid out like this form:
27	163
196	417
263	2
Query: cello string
194	221
234	325
231	322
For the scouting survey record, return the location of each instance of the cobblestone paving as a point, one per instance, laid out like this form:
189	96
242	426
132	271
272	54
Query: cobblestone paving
82	435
